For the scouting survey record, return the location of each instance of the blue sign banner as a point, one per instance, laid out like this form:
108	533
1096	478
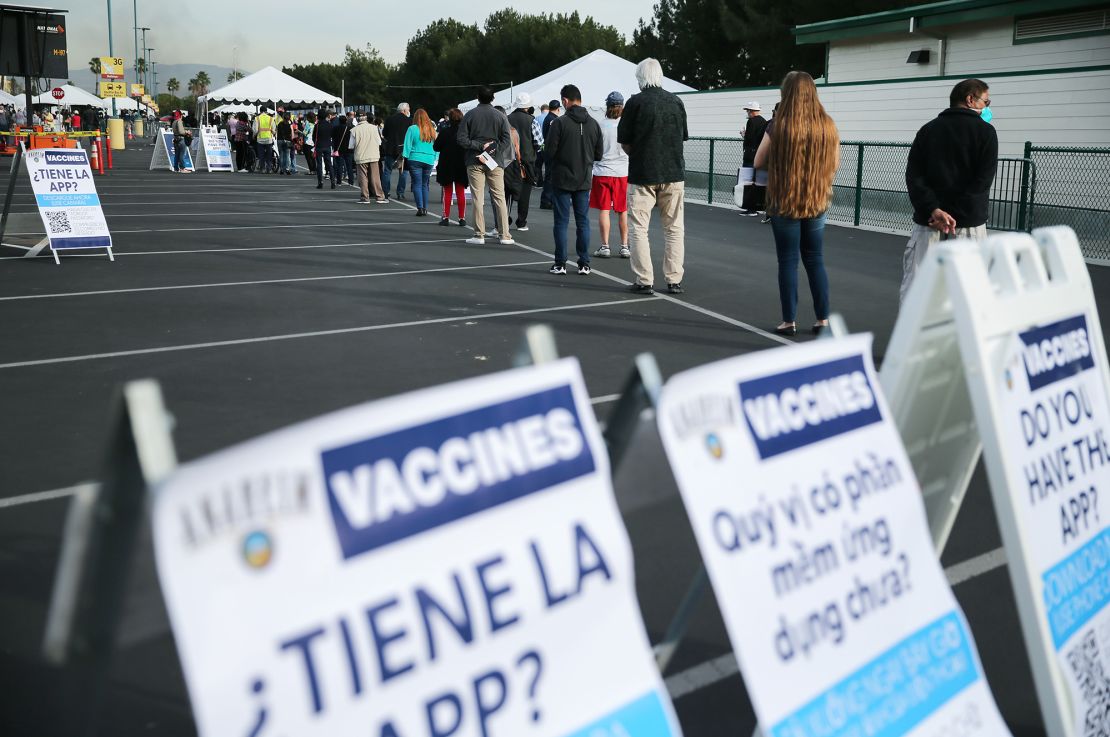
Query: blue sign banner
1057	351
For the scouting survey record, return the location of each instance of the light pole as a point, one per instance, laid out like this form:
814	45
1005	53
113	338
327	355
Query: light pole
111	50
135	9
144	30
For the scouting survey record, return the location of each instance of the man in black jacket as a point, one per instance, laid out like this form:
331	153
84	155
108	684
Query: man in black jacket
573	143
393	141
754	129
322	140
949	174
553	109
522	122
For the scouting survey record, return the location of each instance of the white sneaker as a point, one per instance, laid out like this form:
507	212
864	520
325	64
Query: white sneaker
557	269
625	253
523	229
476	241
603	252
584	269
508	242
491	232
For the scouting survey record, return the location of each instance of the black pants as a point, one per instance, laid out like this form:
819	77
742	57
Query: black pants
310	158
240	155
522	203
754	197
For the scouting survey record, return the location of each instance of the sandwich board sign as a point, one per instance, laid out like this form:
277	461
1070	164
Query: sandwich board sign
444	563
163	157
1031	354
215	151
67	201
809	520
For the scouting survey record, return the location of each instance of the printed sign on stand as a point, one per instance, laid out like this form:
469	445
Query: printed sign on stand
445	563
810	523
111	67
163	157
67	200
216	150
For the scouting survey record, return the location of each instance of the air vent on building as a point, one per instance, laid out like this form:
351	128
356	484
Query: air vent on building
1065	24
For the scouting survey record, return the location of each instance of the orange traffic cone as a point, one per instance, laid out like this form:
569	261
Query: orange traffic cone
130	137
94	157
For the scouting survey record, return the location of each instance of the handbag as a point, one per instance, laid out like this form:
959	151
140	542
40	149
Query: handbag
188	138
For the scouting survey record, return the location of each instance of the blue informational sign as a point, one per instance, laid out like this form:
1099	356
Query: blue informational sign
65	193
167	142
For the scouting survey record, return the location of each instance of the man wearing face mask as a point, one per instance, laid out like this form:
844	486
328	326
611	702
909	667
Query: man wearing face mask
949	174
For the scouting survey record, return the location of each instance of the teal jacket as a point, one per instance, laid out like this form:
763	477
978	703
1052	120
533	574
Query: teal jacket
417	150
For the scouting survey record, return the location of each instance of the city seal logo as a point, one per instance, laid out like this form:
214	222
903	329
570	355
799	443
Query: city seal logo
258	549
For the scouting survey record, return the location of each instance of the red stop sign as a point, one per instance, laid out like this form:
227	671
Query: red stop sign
58	93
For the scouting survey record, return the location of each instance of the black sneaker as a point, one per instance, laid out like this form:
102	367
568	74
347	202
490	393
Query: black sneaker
644	289
675	288
445	222
463	224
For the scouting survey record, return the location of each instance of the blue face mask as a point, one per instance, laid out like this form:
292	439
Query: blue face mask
986	114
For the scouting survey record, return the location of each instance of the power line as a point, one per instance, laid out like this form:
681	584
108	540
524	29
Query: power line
442	86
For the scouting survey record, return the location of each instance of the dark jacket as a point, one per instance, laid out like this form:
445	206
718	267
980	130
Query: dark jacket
753	136
452	166
654	125
341	135
284	131
522	123
321	134
545	126
393	133
573	144
483	125
951	166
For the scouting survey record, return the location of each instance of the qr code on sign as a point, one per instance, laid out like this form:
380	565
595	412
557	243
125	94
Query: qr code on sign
1086	664
58	221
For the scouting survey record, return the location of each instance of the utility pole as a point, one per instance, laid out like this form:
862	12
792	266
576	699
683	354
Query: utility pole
135	9
144	30
111	51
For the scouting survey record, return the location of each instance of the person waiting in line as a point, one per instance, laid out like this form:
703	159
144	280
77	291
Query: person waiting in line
530	139
419	153
307	144
451	171
573	144
610	184
180	146
366	144
242	142
800	151
286	155
322	140
484	130
343	158
394	130
264	138
754	194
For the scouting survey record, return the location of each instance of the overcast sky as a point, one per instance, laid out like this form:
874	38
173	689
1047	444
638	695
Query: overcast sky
284	32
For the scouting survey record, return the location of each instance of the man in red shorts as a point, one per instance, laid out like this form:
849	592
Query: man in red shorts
610	186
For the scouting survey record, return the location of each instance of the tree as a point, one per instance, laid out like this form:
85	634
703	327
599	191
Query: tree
94	67
173	86
363	71
233	76
203	80
140	70
734	43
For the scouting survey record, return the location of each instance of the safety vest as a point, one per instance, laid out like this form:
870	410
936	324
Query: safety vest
265	128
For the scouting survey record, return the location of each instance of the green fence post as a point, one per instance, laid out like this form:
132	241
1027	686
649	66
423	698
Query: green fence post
711	169
1023	207
859	181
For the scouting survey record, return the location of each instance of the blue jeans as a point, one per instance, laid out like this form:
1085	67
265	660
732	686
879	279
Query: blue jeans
421	174
345	167
286	152
179	149
802	239
562	201
387	176
265	156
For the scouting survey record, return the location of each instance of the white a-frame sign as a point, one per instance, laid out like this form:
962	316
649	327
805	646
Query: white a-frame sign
999	343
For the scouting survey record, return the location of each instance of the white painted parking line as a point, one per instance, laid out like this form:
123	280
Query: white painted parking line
194	214
271	227
605	398
718	669
39	496
688	305
183	251
311	334
261	282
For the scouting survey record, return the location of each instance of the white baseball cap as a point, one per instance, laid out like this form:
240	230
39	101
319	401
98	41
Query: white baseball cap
753	105
523	101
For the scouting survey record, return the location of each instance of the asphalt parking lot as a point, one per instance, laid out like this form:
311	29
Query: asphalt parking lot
258	301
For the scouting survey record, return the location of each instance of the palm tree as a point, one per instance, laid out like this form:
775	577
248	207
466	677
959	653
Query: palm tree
140	70
203	80
194	85
94	67
234	76
173	86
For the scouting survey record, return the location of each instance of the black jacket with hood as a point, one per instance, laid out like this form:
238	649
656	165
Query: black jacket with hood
572	146
951	166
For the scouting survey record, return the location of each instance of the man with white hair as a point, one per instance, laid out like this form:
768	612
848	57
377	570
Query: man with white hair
530	137
651	132
393	136
754	129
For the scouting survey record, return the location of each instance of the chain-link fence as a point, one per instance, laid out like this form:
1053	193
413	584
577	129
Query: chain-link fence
1048	186
1072	187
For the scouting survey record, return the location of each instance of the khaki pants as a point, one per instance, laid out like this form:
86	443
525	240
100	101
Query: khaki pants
479	176
367	173
922	238
642	198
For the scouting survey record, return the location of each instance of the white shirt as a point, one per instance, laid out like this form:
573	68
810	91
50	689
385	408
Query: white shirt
614	161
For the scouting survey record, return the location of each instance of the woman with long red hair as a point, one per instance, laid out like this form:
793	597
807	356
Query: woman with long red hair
420	156
800	151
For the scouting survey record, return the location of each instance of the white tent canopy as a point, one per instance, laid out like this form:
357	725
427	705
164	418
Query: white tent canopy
6	99
596	74
73	96
233	109
270	85
126	103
